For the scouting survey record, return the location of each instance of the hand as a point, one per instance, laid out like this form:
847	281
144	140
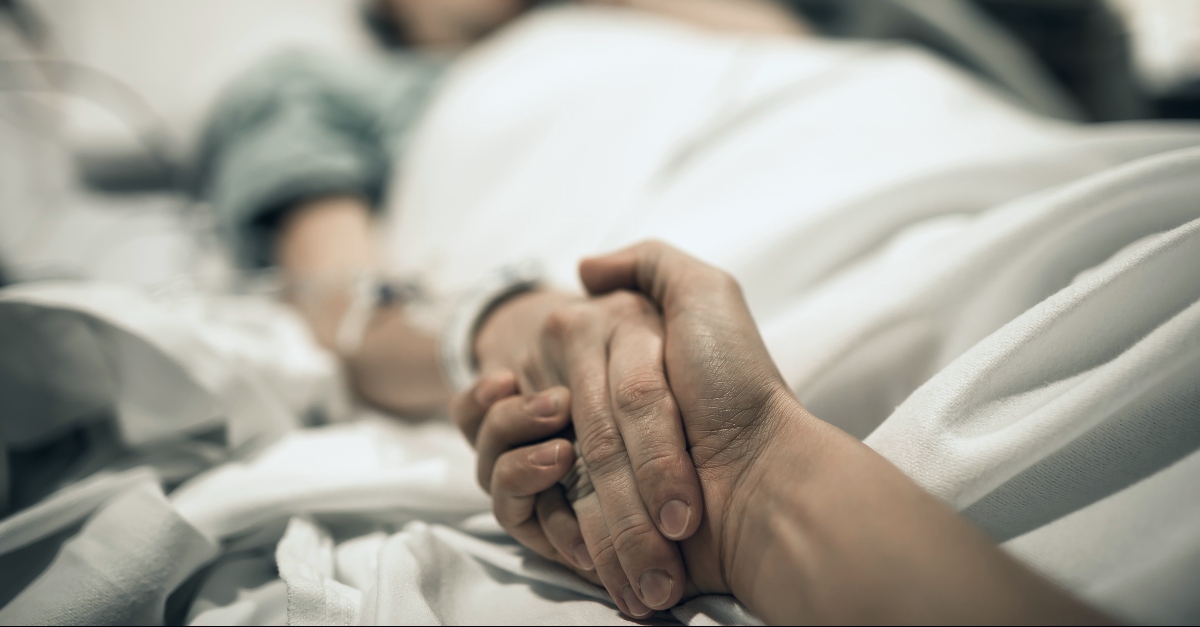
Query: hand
725	383
608	352
521	459
803	522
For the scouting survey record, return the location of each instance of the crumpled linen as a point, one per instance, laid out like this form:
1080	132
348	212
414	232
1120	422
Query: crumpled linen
982	295
162	366
119	569
1017	333
157	388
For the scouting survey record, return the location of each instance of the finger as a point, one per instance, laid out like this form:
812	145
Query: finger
468	408
697	301
561	528
651	563
531	372
594	527
520	475
650	424
518	420
671	278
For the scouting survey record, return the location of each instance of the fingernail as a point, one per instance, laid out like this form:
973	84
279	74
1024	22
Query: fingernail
674	517
656	587
544	405
637	609
545	455
583	559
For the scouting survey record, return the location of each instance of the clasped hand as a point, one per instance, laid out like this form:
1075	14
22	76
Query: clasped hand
659	387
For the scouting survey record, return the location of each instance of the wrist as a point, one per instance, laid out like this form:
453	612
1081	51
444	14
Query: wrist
460	360
512	326
764	500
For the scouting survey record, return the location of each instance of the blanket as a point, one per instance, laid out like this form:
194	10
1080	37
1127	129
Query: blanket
1003	306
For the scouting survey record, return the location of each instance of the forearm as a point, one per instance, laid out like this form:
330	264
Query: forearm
835	533
326	243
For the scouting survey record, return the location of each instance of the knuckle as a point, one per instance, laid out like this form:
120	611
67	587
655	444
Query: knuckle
622	301
602	449
658	467
633	536
508	519
567	320
627	302
504	476
606	556
652	245
639	391
496	423
726	283
502	517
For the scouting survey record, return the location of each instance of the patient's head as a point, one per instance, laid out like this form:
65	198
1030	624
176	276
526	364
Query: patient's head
446	24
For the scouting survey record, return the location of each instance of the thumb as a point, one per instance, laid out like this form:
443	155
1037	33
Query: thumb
670	277
468	408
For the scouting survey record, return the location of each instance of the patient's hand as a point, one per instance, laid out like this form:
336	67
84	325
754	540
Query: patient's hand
609	352
522	455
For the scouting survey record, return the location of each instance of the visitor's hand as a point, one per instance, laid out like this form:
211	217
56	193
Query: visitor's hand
733	402
803	522
608	352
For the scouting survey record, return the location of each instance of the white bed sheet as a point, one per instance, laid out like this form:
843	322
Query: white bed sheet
1005	307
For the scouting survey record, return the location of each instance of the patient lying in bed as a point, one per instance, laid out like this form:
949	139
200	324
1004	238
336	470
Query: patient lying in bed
916	251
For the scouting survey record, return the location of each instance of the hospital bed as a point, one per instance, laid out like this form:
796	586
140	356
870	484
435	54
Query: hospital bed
193	456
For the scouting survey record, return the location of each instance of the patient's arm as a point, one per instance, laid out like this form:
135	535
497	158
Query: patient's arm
327	242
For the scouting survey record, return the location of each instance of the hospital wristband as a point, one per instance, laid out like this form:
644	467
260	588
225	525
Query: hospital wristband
458	336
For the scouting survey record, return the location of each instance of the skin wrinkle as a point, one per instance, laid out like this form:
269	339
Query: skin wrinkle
737	426
640	393
649	470
554	511
544	427
604	454
605	556
629	533
601	452
644	398
601	446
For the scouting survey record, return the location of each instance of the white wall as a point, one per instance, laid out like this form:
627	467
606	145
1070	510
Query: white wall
179	53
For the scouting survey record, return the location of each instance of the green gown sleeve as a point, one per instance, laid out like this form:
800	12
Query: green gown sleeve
301	126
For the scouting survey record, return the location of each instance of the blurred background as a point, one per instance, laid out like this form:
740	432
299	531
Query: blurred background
102	101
